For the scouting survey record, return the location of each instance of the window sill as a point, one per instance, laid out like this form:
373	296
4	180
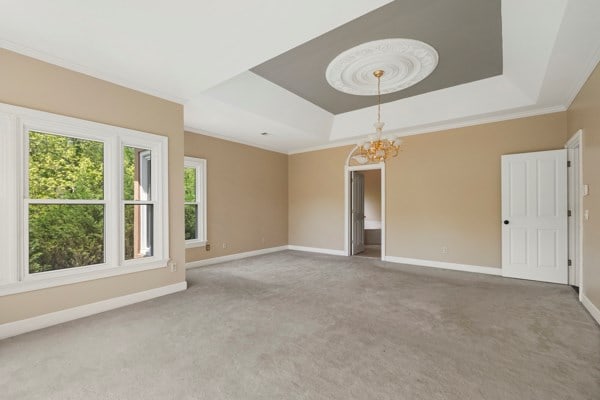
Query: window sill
189	244
27	286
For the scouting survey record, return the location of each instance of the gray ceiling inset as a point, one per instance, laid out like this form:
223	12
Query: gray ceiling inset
467	35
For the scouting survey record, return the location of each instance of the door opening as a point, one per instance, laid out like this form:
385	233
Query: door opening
574	201
365	211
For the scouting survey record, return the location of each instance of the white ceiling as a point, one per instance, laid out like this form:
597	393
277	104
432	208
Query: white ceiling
198	53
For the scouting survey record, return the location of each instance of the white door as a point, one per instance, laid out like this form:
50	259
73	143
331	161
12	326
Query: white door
534	216
358	212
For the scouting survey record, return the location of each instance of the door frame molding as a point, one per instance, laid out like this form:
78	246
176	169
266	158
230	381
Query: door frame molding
348	197
576	143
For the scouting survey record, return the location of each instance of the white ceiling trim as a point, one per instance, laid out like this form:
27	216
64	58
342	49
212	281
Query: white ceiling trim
259	96
443	127
229	139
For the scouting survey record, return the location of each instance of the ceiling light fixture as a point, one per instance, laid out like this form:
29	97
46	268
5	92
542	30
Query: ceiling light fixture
378	148
405	62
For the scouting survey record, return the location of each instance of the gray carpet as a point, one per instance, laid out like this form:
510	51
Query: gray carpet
303	326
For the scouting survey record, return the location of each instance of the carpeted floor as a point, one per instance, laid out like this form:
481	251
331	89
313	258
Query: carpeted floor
295	325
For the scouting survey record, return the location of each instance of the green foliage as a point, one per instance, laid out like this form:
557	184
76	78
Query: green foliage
65	235
128	173
189	183
65	168
191	211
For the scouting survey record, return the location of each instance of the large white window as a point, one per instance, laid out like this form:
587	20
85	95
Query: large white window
83	200
195	201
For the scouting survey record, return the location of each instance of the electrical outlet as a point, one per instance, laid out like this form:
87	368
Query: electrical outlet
224	245
444	250
207	247
172	265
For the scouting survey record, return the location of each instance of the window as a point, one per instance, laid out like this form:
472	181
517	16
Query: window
90	200
195	201
65	209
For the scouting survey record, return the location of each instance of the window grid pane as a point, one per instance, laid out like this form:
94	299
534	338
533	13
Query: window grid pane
137	174
190	184
62	167
65	236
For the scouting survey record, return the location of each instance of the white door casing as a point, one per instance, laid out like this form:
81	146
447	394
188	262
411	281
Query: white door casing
575	206
534	216
358	212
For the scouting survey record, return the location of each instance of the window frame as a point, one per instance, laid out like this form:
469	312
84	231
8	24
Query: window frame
199	164
15	125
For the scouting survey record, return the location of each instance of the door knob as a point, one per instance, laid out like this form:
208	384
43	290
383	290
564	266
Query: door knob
506	222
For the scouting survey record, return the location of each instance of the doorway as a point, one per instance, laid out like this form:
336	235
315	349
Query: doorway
365	211
575	206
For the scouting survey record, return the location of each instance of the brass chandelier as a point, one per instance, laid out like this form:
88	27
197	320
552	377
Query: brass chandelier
378	148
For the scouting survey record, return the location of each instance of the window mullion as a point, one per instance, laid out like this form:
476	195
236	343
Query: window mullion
111	195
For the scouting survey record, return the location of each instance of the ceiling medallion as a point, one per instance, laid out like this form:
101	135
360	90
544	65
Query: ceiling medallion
405	62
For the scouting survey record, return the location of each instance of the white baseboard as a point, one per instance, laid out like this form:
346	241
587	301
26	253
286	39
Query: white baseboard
317	250
445	265
591	308
43	321
231	257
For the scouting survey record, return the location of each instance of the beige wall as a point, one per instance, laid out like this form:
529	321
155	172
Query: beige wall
316	198
247	196
372	194
442	190
34	84
584	113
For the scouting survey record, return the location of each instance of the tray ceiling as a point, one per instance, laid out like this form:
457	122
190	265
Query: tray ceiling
242	68
467	35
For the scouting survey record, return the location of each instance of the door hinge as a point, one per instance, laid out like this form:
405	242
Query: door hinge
569	263
569	213
568	163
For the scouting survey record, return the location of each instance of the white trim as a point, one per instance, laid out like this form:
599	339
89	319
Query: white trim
189	129
445	265
192	243
576	143
231	257
35	283
590	65
348	198
21	120
199	166
43	321
438	127
332	252
587	303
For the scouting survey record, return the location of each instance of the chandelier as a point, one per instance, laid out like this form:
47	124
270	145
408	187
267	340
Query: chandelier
377	148
405	63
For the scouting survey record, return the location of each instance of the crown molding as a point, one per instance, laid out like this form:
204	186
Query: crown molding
590	65
443	127
230	139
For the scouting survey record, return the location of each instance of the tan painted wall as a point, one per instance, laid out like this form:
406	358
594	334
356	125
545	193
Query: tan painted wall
372	195
247	196
34	84
584	113
316	198
442	190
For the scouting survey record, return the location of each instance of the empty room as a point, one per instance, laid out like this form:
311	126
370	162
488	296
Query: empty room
364	199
